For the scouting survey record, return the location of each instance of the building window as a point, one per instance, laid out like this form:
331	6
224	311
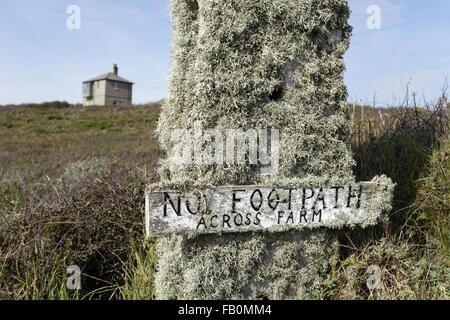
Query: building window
87	89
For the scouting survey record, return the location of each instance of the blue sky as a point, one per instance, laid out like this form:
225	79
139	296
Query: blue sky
42	60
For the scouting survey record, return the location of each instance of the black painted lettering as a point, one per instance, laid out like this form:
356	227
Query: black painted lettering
226	220
351	194
274	199
336	196
167	200
201	222
213	218
258	206
307	197
257	221
290	218
247	219
280	215
320	198
303	214
290	199
241	219
358	204
317	213
235	200
188	206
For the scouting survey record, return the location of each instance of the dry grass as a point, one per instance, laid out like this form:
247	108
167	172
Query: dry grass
38	140
71	191
410	145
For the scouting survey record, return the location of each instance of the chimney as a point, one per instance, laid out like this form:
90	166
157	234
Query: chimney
115	69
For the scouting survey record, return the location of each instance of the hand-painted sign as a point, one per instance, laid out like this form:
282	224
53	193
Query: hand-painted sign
255	208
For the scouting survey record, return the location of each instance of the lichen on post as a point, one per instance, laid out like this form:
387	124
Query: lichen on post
253	64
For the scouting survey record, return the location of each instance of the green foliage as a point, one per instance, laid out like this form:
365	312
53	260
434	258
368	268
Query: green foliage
408	271
411	145
139	274
47	139
71	119
398	143
432	206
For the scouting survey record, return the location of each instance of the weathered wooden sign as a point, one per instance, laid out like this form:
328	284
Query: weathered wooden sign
256	208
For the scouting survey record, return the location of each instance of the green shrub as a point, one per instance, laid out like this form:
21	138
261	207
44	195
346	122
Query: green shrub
433	199
408	271
140	273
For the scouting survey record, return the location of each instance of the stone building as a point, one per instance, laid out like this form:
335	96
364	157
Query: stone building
108	90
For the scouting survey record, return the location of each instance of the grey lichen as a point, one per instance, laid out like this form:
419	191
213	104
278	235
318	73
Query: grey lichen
242	266
380	203
228	59
253	64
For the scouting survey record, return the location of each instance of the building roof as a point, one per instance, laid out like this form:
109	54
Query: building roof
109	76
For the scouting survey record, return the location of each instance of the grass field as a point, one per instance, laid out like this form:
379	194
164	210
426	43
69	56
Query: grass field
44	140
71	190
